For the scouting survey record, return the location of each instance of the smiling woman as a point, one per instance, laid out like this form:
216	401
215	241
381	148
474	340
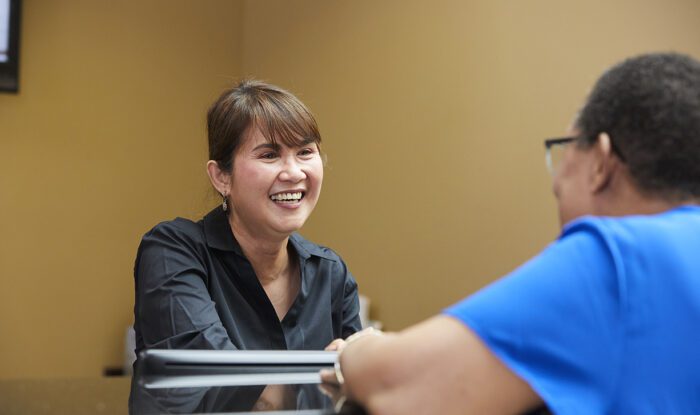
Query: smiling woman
242	278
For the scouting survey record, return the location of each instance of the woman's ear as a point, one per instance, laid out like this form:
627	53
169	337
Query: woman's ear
220	179
604	163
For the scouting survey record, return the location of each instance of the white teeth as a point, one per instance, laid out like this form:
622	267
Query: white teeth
291	197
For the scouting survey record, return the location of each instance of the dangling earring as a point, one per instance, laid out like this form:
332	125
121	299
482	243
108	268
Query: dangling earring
224	203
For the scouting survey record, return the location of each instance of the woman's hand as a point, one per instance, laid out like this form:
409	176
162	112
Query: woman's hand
330	386
335	346
328	377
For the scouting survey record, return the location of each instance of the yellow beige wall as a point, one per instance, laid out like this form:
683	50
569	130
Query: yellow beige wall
433	114
105	139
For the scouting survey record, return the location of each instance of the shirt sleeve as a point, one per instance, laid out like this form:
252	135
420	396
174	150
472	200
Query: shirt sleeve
351	305
557	321
173	307
351	308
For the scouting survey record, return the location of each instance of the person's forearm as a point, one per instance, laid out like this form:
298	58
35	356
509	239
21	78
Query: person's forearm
437	366
369	367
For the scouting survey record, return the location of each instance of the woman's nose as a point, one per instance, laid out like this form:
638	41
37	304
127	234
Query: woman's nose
292	171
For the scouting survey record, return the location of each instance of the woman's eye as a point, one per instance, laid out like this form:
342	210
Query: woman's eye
306	152
271	155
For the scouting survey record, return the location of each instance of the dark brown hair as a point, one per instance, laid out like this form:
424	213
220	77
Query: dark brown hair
279	115
650	106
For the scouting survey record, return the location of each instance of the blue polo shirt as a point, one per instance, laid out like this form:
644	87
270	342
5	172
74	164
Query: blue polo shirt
606	320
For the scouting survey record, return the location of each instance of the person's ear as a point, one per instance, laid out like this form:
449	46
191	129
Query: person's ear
604	163
220	179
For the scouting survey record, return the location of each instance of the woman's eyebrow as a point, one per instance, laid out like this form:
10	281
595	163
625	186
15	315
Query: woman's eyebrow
267	145
277	147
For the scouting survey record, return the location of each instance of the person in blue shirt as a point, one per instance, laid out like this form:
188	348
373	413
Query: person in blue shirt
606	319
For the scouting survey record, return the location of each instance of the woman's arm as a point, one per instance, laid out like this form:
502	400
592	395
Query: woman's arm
438	366
350	322
351	307
174	309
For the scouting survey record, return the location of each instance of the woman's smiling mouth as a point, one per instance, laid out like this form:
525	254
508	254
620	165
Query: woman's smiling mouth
287	197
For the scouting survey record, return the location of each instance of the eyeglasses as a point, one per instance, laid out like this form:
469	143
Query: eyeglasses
554	151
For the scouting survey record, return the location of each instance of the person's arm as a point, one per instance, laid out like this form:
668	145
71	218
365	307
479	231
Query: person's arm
174	309
350	312
552	328
351	306
438	366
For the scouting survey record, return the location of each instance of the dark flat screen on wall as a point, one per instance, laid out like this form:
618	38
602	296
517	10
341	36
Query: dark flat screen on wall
9	45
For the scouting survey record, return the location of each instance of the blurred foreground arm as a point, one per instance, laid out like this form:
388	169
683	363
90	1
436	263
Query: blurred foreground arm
438	366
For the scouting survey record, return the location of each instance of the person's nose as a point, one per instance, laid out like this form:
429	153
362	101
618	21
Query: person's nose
292	171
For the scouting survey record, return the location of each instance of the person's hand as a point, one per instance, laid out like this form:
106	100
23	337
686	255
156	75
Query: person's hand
335	346
328	377
335	392
335	376
273	398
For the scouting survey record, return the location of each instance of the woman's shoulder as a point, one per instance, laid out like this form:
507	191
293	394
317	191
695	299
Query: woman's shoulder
307	248
180	229
328	262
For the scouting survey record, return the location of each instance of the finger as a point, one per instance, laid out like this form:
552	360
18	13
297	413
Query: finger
328	376
335	345
328	389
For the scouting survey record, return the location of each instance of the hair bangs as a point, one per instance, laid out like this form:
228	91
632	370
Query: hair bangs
285	122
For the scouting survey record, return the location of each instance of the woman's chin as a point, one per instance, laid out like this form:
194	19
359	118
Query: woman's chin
289	227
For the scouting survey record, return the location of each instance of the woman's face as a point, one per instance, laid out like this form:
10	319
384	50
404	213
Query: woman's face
274	189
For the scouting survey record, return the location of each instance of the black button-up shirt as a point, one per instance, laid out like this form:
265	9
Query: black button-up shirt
196	290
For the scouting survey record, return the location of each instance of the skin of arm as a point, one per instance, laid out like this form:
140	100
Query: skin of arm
437	366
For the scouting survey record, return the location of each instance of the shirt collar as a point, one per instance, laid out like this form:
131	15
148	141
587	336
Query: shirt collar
305	248
218	232
219	236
